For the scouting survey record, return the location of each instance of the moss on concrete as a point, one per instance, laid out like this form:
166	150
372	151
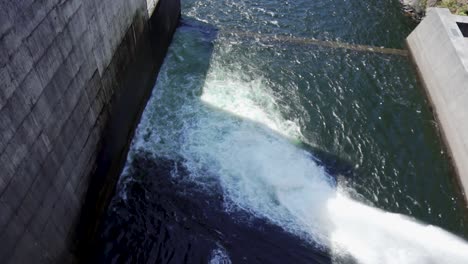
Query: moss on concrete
458	7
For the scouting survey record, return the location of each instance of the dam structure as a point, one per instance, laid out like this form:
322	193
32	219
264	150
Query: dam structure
439	48
221	131
74	78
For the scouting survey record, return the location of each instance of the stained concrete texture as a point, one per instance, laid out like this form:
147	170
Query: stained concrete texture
440	52
63	66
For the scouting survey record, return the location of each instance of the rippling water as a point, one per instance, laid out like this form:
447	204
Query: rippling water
256	149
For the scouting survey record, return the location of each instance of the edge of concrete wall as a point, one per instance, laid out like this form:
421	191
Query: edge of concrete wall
440	54
127	106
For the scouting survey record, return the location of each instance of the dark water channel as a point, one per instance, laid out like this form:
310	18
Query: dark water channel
257	149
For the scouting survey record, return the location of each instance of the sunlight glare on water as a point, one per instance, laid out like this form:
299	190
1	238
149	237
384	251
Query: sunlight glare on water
334	147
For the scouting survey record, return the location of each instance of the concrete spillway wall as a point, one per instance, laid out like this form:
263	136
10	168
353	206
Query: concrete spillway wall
74	78
440	50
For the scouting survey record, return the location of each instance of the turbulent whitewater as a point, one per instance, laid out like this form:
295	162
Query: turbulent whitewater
231	132
257	152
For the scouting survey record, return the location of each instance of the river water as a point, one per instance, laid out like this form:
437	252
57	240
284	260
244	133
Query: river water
259	145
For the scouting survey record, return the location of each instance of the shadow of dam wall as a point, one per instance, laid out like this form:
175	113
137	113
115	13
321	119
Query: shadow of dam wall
75	76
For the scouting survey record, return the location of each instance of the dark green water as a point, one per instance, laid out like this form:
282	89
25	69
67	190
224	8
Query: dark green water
365	108
259	148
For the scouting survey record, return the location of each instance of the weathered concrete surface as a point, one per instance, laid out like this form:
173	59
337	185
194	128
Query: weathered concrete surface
65	66
440	52
127	107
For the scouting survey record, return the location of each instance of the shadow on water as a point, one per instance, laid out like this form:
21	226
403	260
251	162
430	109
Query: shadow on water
165	218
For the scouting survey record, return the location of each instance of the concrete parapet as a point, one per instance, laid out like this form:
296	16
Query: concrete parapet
75	76
440	51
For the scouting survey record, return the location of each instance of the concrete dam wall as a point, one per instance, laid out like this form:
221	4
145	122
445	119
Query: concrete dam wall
439	48
74	76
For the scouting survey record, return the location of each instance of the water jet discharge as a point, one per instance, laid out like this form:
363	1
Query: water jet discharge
329	146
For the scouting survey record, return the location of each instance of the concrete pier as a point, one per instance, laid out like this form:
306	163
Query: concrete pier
75	76
439	47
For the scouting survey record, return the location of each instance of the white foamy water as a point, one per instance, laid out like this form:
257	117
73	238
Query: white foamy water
236	135
219	256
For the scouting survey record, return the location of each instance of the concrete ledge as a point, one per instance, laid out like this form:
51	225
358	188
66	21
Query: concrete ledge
440	52
151	6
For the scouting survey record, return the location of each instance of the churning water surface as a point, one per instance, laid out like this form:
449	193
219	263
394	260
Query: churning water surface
257	149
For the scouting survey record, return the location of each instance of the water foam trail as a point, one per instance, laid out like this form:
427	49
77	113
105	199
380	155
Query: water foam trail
219	256
236	136
375	236
263	172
